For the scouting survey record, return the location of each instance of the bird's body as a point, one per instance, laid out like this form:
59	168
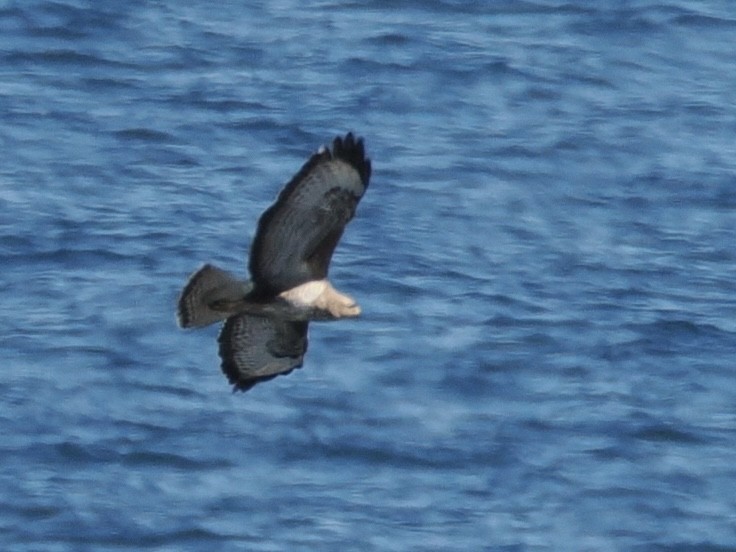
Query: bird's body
266	318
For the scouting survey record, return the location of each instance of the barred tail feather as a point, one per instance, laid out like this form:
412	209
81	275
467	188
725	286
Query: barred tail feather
205	288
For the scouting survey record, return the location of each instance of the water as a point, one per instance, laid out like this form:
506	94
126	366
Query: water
545	261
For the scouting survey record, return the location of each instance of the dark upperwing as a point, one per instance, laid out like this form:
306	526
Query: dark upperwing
297	235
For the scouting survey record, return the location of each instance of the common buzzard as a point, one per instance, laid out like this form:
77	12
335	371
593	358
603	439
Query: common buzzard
266	318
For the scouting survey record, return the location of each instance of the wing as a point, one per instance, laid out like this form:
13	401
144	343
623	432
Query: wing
297	235
255	349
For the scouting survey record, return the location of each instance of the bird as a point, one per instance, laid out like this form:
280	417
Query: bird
265	318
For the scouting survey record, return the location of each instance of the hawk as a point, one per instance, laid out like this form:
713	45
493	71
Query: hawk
266	318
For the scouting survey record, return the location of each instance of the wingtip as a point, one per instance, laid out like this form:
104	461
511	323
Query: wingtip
352	149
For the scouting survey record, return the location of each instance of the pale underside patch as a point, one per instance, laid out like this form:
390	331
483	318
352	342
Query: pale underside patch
306	294
321	295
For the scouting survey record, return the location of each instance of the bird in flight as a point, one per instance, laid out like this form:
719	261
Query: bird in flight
266	318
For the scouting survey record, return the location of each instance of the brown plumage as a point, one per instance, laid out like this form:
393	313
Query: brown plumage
266	319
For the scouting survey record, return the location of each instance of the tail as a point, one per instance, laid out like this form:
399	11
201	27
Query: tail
203	300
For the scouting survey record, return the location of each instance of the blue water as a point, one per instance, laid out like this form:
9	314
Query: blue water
545	260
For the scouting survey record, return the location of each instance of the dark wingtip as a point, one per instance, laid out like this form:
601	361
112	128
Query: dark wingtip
352	150
241	386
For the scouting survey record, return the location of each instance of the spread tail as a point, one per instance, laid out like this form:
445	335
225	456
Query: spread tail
203	300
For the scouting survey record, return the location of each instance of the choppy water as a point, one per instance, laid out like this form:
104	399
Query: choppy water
545	259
